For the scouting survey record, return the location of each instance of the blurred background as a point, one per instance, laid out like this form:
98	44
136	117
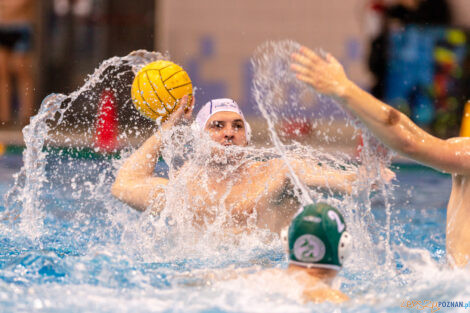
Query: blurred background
413	54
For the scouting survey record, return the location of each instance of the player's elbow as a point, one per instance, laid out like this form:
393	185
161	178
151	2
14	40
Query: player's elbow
117	188
121	184
408	146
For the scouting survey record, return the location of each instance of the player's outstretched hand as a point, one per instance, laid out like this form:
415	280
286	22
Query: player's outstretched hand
181	116
326	75
387	174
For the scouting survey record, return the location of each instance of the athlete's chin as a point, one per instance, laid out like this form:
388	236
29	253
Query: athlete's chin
227	155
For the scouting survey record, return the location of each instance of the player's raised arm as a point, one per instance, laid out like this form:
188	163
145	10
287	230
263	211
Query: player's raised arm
395	129
135	183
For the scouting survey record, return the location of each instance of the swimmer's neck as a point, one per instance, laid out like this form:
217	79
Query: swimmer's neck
226	169
323	274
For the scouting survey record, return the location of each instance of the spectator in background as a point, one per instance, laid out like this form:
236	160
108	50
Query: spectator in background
423	12
395	15
16	36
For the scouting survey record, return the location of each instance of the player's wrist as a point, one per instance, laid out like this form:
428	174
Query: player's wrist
345	89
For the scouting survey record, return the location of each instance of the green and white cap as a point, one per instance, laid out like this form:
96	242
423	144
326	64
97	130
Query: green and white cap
317	237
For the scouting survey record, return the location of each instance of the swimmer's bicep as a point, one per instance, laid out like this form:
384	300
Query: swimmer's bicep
140	194
152	189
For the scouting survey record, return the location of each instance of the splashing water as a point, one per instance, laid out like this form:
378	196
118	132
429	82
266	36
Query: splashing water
272	92
280	98
55	116
65	237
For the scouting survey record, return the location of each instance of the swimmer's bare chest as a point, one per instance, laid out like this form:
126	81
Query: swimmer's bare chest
252	193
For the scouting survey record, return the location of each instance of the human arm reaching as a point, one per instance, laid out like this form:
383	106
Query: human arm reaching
315	175
323	176
395	129
135	183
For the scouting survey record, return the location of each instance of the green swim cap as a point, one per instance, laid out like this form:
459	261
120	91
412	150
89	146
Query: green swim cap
317	237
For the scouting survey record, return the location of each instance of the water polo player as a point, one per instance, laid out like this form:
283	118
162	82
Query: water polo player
317	246
249	189
398	132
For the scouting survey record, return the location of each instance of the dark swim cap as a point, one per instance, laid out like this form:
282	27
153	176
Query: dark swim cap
317	237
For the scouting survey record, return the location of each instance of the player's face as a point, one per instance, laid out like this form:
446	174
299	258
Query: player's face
227	128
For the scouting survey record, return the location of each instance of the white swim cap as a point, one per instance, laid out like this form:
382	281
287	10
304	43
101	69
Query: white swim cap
220	105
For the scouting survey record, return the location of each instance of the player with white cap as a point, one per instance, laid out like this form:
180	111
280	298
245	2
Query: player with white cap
249	189
221	105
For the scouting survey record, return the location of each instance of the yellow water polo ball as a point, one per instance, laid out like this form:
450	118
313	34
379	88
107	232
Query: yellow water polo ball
158	86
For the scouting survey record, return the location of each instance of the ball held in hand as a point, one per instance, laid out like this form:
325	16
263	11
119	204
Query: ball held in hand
158	86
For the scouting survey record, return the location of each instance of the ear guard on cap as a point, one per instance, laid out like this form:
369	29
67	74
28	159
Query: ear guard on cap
344	247
283	236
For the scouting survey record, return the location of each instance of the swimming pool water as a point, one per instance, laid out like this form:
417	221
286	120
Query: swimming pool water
93	255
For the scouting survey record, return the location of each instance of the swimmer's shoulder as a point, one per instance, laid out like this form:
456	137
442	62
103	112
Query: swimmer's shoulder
458	145
464	141
273	169
189	167
261	165
456	152
315	290
275	164
324	293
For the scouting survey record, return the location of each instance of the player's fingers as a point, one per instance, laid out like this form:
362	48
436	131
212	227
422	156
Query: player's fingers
310	54
176	115
183	101
299	69
301	59
305	79
188	113
189	110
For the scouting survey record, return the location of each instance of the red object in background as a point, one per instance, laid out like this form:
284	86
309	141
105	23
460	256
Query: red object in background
295	129
360	145
377	6
107	124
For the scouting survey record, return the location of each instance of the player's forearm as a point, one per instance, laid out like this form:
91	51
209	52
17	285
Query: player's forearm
336	181
142	162
140	194
392	127
317	176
